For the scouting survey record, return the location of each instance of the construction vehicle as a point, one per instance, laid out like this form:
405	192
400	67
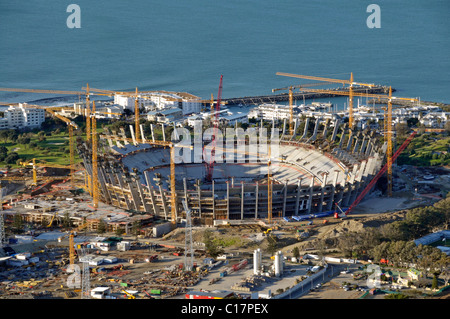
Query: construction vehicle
339	212
130	294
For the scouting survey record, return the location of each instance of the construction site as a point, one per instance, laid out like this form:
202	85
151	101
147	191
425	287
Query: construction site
309	173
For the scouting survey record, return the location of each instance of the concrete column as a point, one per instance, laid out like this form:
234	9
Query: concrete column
355	148
350	140
305	132
152	196
351	186
163	199
363	145
228	200
141	127
296	120
163	132
284	197
316	128
256	199
333	190
153	133
199	194
242	200
142	194
297	200
310	197
120	179
133	137
325	128
102	183
335	130
134	194
341	141
213	200
324	183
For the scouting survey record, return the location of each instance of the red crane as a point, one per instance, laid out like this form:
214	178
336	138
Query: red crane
380	173
210	165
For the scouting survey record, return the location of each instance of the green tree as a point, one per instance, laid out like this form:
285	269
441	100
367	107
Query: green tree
101	229
296	252
118	231
272	245
434	284
11	158
66	221
211	245
18	224
136	228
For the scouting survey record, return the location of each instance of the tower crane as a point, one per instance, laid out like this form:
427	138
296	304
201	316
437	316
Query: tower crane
95	190
210	166
269	186
33	163
387	123
350	82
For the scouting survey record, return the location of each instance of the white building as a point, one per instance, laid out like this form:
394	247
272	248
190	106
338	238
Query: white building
166	116
102	109
21	116
272	112
160	100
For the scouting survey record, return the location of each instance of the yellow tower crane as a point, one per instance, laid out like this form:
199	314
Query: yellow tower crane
95	190
389	152
350	82
387	123
269	186
33	163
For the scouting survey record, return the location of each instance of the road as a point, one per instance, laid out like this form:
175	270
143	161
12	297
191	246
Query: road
332	272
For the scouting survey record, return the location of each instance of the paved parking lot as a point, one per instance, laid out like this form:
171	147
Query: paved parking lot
333	288
271	284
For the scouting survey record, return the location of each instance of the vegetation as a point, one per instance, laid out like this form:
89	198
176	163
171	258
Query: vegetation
394	242
430	149
211	245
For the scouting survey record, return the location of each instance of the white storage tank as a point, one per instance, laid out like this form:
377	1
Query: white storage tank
257	261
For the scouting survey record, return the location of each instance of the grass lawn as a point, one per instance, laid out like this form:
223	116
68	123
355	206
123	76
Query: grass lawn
427	150
54	150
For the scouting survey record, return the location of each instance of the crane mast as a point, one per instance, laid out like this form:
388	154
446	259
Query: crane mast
136	117
95	190
389	144
210	167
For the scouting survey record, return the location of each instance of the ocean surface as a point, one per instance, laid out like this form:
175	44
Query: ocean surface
186	45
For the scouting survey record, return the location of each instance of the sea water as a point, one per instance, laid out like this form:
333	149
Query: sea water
186	45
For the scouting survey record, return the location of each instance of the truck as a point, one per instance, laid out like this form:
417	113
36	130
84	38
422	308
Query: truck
315	269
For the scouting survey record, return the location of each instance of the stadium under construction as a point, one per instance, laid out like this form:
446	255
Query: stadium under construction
323	164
